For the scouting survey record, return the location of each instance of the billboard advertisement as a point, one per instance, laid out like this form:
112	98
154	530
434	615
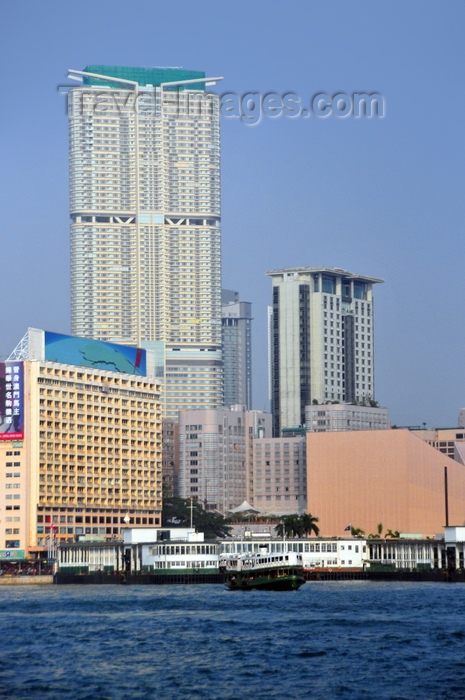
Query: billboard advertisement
11	401
12	554
85	352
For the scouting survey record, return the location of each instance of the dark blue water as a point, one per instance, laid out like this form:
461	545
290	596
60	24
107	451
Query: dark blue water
328	640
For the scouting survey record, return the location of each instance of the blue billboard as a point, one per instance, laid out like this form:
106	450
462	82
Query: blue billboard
85	352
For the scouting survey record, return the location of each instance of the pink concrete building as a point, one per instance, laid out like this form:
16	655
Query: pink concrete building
392	477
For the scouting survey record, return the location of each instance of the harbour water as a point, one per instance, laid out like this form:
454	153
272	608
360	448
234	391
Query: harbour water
351	639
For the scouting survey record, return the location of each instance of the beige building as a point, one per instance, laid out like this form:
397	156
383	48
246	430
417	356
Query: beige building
81	455
216	455
343	416
449	441
279	476
392	477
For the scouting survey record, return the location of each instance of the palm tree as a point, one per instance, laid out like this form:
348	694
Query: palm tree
393	534
379	530
309	524
290	526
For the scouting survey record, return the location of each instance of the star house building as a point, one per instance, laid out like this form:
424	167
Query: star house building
145	221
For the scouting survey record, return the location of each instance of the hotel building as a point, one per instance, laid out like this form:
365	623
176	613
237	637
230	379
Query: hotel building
280	476
321	340
216	455
145	221
80	446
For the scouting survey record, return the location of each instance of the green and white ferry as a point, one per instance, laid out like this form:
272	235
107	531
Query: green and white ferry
274	571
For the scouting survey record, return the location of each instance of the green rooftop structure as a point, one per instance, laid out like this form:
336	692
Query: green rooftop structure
143	76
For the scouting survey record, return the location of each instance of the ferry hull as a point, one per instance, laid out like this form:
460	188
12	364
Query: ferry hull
266	582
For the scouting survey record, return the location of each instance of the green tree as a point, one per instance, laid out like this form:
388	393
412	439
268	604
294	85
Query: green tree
297	525
379	530
290	526
357	532
309	524
176	512
392	534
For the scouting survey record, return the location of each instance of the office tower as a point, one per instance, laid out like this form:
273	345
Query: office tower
216	455
321	340
80	443
237	349
145	221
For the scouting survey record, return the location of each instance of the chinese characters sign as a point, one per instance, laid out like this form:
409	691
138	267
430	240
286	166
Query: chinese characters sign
11	401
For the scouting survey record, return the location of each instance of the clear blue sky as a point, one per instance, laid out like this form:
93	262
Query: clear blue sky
381	197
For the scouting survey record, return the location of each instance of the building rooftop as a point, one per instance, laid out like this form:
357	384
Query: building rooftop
143	76
328	270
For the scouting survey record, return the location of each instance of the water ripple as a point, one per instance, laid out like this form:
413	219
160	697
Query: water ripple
351	640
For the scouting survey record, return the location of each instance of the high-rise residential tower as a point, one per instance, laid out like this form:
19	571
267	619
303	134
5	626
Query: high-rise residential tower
237	349
145	221
321	340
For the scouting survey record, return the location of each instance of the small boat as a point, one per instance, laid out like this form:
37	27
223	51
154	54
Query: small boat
265	570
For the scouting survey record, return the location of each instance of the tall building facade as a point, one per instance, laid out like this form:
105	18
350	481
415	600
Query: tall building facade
80	446
321	340
170	457
236	324
216	455
145	221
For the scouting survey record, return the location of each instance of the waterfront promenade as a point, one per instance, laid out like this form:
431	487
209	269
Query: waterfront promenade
25	580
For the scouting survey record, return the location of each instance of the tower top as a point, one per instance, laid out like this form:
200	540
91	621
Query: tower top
337	271
153	76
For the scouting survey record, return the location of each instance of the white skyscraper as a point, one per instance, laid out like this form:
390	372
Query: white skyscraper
145	221
321	340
